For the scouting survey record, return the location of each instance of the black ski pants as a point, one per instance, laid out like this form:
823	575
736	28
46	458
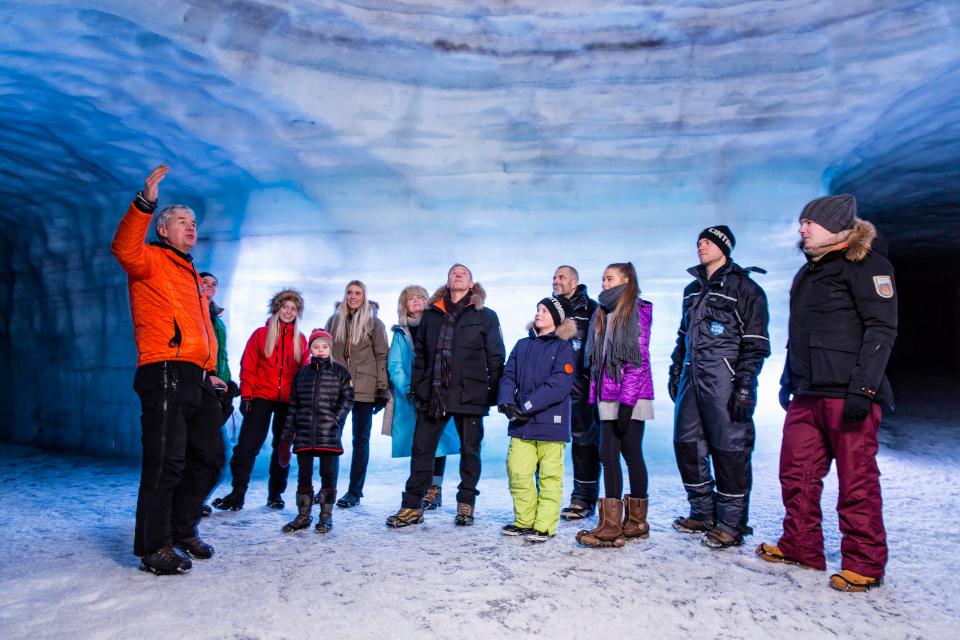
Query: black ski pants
253	433
426	437
182	451
585	452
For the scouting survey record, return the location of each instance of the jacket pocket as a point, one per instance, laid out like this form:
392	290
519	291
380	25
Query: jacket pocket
474	389
832	360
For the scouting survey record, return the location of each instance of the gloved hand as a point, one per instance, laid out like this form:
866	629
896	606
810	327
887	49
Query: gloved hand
284	453
513	414
380	400
856	407
245	405
784	397
673	386
743	401
624	416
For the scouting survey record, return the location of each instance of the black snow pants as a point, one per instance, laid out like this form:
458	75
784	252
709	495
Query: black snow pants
253	433
585	453
703	431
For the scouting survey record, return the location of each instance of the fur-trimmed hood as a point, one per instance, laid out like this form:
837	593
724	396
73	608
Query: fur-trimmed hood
477	296
283	296
860	242
373	305
566	331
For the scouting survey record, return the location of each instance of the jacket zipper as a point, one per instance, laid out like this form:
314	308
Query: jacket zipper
283	334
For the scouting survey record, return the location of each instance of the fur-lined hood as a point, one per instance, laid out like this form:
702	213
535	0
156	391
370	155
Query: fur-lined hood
566	331
373	305
283	296
477	296
860	242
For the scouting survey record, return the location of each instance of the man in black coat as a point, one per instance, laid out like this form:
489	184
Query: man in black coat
458	360
584	427
721	345
843	323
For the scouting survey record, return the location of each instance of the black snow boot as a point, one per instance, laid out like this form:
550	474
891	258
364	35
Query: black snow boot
165	561
233	501
303	519
205	510
464	515
195	546
275	502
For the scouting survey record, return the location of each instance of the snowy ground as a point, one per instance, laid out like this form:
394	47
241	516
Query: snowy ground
67	571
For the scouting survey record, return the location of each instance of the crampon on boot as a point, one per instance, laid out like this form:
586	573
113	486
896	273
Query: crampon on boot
165	561
195	546
233	501
576	511
692	525
464	515
854	582
405	517
325	523
772	553
303	519
717	538
609	531
433	499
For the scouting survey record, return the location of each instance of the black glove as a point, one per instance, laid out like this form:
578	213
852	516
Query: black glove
245	406
673	386
743	401
380	400
513	414
856	407
784	397
624	416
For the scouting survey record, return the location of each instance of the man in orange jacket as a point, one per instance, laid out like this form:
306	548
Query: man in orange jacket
177	356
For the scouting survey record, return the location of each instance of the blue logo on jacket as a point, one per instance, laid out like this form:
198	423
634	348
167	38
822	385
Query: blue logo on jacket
716	328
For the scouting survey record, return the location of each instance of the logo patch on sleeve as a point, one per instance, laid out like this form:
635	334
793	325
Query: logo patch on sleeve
568	368
883	286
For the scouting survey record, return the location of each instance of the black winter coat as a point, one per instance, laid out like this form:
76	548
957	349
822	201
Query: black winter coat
478	355
583	308
843	323
724	324
321	397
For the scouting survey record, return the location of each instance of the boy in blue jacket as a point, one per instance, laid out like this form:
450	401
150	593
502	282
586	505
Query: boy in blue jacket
534	394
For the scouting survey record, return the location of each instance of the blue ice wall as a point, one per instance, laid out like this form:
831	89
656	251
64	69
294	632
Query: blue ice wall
325	141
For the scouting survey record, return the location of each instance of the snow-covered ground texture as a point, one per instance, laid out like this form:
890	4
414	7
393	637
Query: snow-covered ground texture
67	570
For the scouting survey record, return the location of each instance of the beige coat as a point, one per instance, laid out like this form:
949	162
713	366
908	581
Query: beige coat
368	359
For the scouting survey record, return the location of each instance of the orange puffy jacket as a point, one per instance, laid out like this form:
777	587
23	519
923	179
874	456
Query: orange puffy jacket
171	317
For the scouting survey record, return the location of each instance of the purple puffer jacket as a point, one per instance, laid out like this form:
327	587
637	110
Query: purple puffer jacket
636	383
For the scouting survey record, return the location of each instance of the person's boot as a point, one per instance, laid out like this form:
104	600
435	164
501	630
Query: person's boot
326	518
693	525
609	531
718	538
276	502
205	510
195	546
852	581
433	499
464	515
635	517
233	501
576	511
165	561
405	517
303	519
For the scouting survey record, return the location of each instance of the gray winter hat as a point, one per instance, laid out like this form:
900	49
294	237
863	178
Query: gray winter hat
833	213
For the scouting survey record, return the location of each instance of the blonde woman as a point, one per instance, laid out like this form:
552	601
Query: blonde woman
360	344
274	354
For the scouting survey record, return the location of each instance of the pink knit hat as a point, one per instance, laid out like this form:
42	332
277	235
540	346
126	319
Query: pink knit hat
320	334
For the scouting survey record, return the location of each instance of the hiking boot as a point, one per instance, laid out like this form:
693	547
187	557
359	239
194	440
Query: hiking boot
717	538
513	530
464	515
854	582
195	546
348	501
692	525
772	553
275	502
576	511
326	518
233	501
538	536
635	518
303	519
405	517
433	499
609	531
165	561
205	510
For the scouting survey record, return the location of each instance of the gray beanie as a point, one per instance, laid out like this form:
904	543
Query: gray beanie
833	213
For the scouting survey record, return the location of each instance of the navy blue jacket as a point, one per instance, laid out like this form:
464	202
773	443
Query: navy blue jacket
538	378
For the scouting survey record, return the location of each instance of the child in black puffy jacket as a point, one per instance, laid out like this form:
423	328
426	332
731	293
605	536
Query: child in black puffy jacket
320	400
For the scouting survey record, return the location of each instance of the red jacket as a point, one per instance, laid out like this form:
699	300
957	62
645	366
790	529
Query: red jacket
270	378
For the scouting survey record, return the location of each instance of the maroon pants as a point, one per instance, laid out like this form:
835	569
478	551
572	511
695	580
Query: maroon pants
814	435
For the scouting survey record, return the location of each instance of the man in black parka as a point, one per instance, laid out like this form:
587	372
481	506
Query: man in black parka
457	364
721	346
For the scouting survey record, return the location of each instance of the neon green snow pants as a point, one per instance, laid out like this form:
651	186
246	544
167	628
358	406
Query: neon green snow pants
530	509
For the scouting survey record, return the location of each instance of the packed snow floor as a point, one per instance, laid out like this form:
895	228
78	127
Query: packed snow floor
67	569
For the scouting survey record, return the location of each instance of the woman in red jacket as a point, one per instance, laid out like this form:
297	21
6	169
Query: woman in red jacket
273	355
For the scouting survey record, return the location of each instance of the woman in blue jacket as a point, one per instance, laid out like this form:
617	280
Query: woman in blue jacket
534	394
400	416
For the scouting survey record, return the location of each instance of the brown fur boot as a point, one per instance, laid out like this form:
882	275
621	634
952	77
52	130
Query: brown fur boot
609	531
635	517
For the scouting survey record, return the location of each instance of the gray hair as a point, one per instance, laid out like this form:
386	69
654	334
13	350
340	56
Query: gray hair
168	212
576	274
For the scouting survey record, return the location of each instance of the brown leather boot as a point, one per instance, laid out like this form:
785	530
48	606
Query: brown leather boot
609	531
635	517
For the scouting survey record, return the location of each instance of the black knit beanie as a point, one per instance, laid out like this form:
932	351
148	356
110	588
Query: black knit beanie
721	236
559	308
833	213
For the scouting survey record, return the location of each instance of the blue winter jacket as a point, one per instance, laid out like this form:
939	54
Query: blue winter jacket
538	379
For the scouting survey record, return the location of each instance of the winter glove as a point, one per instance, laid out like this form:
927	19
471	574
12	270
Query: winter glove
624	416
380	400
673	386
742	402
513	414
245	405
784	397
284	453
856	407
